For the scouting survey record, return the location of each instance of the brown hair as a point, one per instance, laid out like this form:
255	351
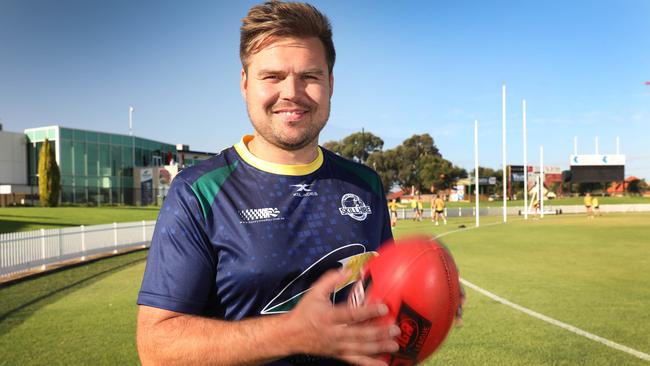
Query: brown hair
284	19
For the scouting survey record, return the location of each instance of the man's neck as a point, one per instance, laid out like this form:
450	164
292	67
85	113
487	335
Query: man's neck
266	151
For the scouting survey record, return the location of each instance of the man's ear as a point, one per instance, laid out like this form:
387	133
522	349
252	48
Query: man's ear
243	83
331	84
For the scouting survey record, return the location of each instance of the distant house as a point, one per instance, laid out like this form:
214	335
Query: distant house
621	187
395	195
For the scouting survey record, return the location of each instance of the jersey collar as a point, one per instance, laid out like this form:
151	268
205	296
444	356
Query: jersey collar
282	169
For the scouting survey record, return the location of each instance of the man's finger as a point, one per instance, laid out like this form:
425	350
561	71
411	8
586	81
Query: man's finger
344	314
328	282
370	333
370	348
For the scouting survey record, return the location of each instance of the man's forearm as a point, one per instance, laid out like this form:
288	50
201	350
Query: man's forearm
313	327
186	339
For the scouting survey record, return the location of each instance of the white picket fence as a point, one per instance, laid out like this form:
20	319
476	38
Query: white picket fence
23	251
549	207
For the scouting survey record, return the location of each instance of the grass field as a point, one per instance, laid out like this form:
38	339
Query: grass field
590	273
84	315
556	202
602	200
33	218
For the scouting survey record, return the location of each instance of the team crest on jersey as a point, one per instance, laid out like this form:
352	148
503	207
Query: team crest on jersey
354	207
254	215
303	190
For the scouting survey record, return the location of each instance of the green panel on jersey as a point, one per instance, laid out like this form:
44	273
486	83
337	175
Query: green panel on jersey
285	307
365	174
207	187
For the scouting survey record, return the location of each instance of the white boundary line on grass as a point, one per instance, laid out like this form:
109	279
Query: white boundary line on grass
570	328
534	314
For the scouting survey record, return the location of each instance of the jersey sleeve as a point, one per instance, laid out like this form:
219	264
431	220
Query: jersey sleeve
181	264
386	231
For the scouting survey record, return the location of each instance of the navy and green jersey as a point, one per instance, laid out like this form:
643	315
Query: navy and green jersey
240	237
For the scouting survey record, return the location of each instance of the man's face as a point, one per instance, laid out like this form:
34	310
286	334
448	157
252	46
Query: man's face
287	90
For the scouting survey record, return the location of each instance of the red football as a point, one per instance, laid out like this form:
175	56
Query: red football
418	280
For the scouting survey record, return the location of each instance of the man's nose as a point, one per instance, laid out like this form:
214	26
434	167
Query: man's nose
291	87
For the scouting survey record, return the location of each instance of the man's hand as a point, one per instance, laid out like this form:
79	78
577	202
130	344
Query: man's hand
340	331
314	327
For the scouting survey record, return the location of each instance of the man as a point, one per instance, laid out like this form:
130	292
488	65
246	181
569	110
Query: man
416	205
438	205
240	269
588	202
595	206
392	207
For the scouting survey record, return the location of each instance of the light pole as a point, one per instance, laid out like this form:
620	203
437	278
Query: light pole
131	109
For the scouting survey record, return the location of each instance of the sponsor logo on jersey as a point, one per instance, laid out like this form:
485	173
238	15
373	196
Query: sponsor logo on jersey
354	207
303	190
254	215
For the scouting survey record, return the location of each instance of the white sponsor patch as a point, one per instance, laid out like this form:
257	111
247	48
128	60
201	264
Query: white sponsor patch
259	215
303	190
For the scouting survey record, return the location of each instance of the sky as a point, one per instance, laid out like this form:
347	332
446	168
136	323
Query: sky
402	68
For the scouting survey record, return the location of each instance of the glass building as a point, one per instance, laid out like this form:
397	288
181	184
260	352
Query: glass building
96	167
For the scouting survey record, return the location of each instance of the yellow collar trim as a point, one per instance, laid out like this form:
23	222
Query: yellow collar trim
282	169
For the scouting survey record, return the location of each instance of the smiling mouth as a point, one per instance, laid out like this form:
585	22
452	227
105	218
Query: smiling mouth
290	113
293	115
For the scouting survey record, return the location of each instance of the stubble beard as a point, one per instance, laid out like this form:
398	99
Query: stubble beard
275	136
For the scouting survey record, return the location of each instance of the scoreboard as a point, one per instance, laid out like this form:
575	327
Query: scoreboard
597	168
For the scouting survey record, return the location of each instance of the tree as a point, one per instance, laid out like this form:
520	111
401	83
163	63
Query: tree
414	155
357	146
636	186
643	186
439	173
385	164
49	177
416	162
333	146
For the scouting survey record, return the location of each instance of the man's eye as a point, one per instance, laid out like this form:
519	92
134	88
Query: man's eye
310	77
270	77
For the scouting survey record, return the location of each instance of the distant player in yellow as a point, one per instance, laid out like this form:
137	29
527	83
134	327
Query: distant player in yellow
392	207
420	209
595	206
438	207
535	204
588	204
416	205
